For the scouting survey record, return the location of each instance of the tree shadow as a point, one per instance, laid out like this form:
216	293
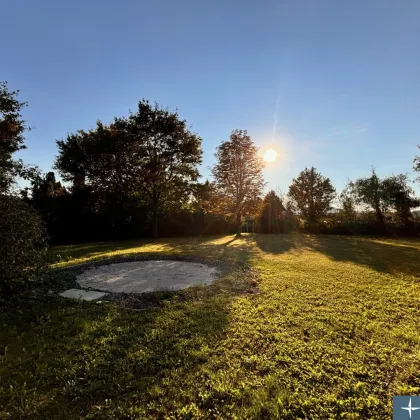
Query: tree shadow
85	355
85	358
97	248
235	238
382	255
279	243
219	246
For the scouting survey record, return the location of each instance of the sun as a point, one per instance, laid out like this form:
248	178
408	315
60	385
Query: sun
270	155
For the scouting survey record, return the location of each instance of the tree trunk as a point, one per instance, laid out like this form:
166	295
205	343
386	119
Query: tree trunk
154	225
154	216
380	217
313	225
404	215
238	224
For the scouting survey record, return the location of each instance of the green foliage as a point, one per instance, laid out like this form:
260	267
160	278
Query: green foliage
371	191
312	195
347	201
81	214
51	200
45	187
400	198
381	195
332	333
416	162
238	176
205	197
150	157
22	236
271	218
12	128
22	242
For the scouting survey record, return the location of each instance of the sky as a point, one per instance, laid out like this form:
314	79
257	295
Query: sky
327	83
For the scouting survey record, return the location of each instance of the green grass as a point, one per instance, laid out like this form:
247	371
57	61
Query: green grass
334	332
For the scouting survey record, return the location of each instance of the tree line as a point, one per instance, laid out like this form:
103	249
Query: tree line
138	176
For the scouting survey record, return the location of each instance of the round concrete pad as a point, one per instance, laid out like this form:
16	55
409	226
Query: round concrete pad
147	276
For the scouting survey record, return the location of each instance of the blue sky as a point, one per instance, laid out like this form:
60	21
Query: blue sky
333	84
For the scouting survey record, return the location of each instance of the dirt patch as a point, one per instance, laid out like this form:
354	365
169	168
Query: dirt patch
147	276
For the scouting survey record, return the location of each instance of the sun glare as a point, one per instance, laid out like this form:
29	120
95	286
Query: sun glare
270	155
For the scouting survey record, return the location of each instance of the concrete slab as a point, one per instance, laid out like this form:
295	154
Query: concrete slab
147	276
82	294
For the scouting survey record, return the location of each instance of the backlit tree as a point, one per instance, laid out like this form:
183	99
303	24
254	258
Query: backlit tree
238	176
312	195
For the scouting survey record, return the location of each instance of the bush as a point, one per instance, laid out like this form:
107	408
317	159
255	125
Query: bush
22	243
364	224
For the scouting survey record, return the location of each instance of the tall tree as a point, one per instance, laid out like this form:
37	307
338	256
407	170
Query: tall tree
312	194
167	153
45	187
51	200
399	195
151	155
205	197
74	156
271	213
12	128
22	236
238	176
371	192
417	163
347	202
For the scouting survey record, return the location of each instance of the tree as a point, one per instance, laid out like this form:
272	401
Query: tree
168	157
203	202
347	201
149	156
97	163
22	242
370	191
205	197
398	195
417	163
75	156
270	218
381	195
312	194
22	236
12	128
52	202
45	187
238	176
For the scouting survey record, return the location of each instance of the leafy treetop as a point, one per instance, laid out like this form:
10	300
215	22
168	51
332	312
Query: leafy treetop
238	175
312	195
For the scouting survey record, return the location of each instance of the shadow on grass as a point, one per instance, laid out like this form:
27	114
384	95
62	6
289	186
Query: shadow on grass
382	255
223	247
279	243
67	360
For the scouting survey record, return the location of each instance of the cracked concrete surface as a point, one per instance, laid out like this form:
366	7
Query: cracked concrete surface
147	276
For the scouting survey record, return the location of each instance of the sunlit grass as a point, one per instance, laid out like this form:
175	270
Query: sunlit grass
79	254
333	333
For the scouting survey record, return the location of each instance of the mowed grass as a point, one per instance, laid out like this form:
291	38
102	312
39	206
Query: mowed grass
334	332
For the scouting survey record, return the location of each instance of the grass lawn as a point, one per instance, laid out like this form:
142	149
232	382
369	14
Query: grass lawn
334	332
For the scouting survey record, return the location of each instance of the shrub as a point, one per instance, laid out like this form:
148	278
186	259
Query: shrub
22	243
365	224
